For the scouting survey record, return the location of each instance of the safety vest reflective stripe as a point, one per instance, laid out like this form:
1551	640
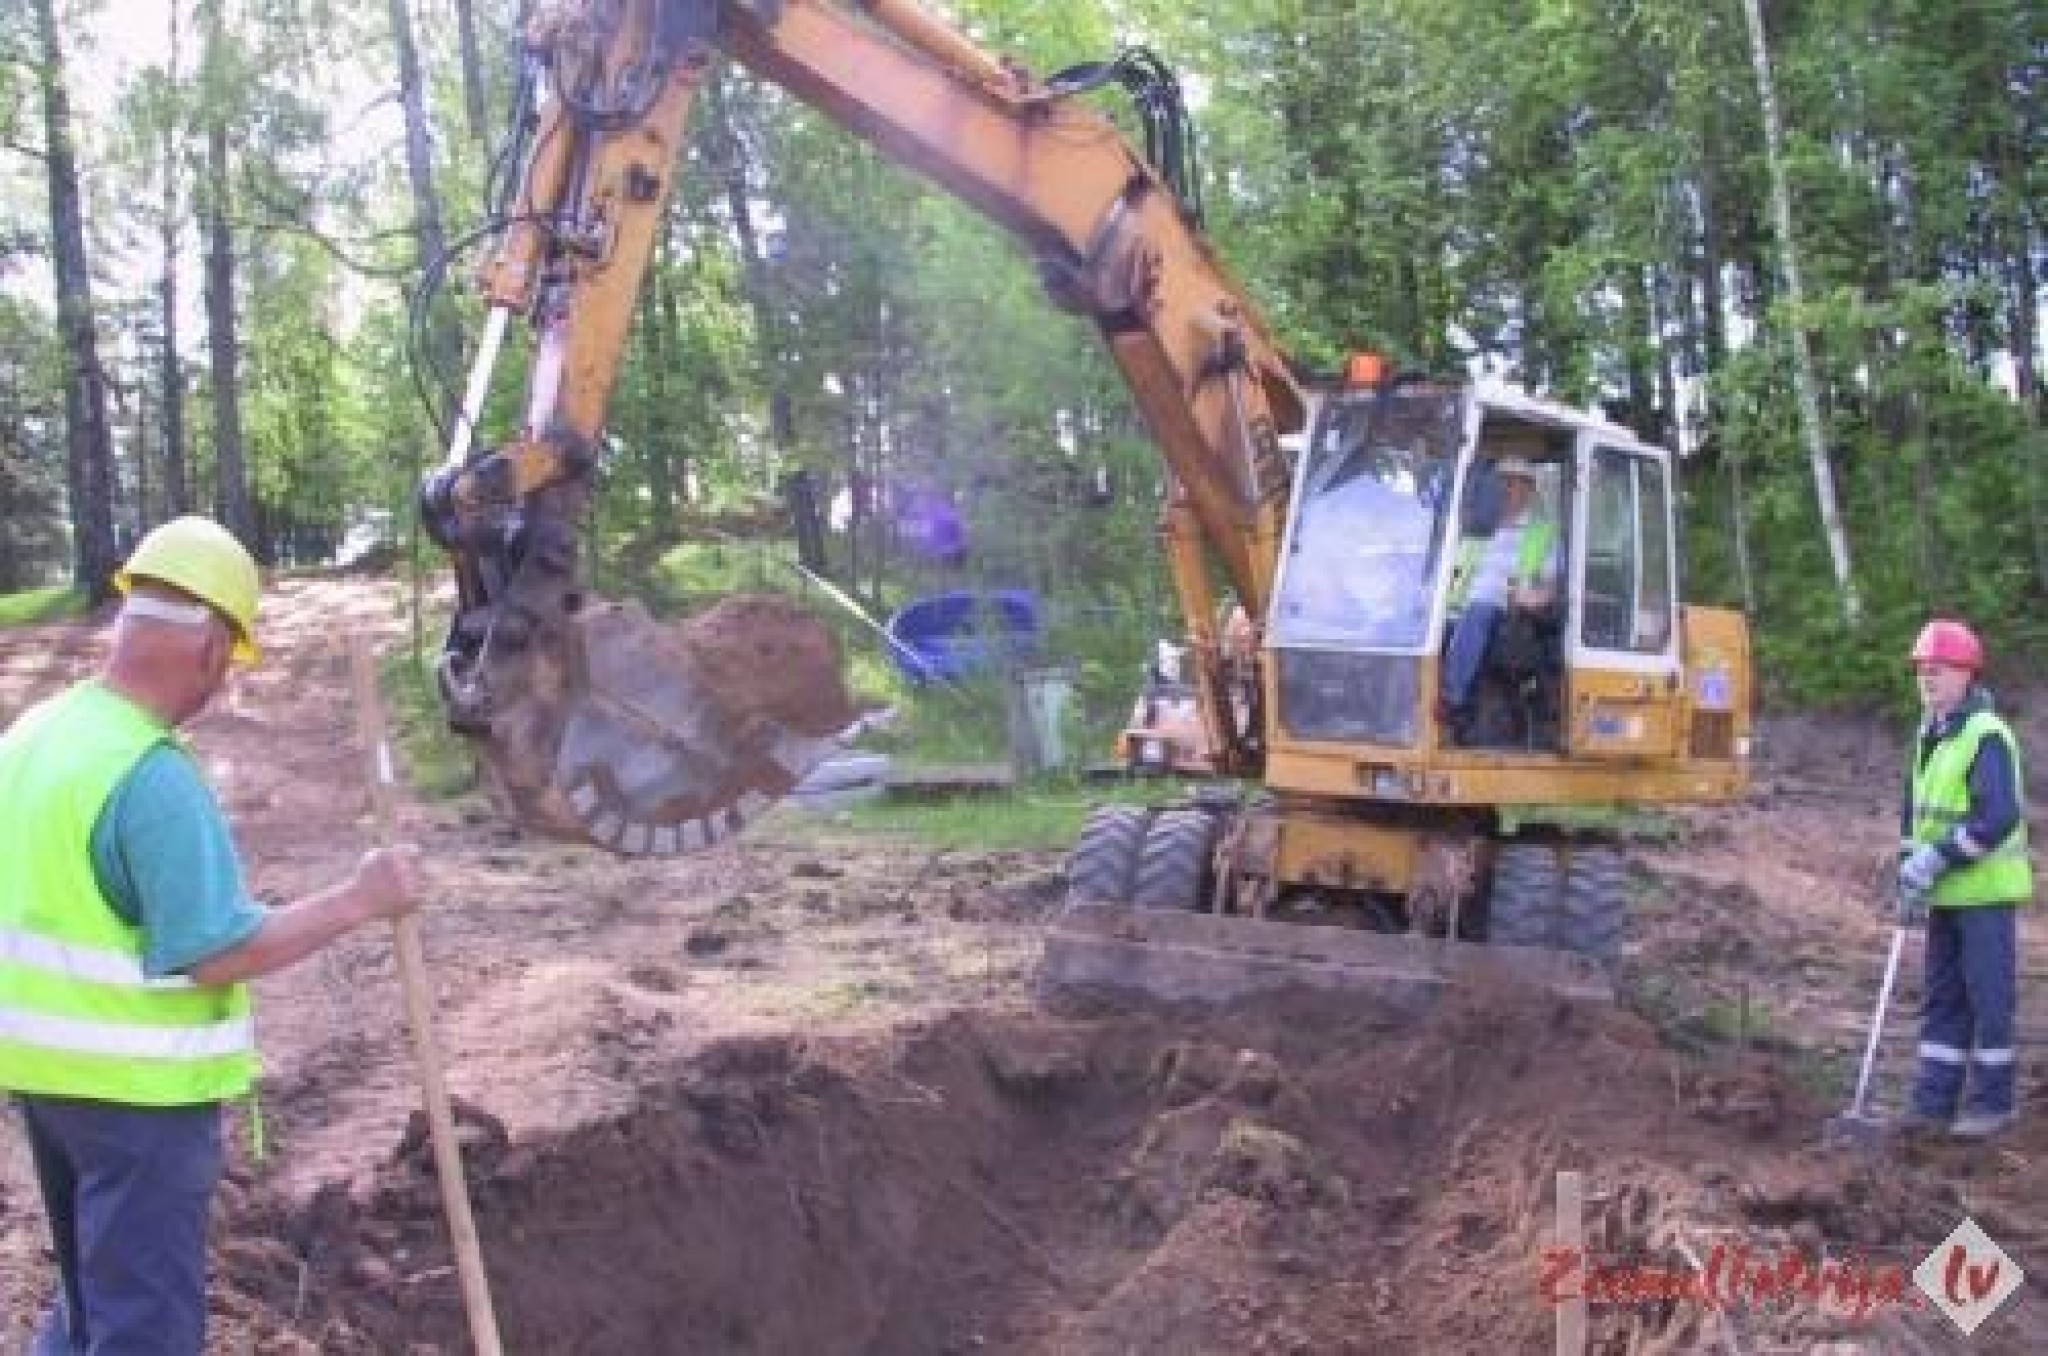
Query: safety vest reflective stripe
1940	818
68	960
233	1036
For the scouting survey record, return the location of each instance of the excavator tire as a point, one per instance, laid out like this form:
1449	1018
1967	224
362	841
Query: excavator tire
1567	899
1104	861
1595	913
1175	867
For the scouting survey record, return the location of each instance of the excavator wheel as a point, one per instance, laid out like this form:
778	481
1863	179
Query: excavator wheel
1567	898
1104	861
1595	903
1177	863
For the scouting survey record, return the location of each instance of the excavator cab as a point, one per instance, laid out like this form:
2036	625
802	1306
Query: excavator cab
1576	657
1392	828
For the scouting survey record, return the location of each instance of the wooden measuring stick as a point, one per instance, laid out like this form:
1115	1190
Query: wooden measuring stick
412	973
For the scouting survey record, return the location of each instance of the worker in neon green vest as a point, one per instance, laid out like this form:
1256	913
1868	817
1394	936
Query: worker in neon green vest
127	938
1963	873
1514	569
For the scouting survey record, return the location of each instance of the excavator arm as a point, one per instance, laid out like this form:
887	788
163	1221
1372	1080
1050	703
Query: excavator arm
599	724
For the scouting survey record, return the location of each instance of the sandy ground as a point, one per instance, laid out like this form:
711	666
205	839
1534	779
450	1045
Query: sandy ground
795	1096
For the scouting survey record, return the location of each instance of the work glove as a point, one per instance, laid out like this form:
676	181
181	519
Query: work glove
1909	908
1921	868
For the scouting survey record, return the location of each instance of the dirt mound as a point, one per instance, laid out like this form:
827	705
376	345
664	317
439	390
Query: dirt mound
1300	1175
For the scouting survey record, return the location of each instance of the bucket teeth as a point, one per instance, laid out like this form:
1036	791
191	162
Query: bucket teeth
651	739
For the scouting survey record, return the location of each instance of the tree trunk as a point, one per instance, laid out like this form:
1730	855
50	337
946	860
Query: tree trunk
665	470
231	487
89	439
755	278
429	240
177	480
1802	355
474	105
2023	301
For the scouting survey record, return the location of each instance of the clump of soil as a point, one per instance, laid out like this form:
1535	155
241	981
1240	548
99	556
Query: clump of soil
768	655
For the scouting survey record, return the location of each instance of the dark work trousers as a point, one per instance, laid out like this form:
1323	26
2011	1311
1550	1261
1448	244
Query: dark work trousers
126	1190
1467	652
1966	1014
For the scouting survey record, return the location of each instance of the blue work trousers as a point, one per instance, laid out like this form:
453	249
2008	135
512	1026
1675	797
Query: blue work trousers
1467	651
1966	1014
126	1190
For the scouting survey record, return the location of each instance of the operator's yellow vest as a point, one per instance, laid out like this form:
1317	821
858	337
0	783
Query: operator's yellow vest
1531	554
1941	800
78	1017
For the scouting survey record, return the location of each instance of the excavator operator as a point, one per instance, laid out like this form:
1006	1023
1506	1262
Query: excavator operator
1512	572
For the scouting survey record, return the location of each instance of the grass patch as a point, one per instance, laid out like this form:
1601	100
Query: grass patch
1734	1022
1042	818
1635	823
438	763
38	605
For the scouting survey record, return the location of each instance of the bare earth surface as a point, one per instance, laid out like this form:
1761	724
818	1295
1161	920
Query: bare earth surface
795	1096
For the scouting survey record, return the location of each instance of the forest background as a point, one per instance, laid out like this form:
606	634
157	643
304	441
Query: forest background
235	238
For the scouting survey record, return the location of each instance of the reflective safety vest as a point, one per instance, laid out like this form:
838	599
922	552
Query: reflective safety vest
78	1017
1941	801
1531	554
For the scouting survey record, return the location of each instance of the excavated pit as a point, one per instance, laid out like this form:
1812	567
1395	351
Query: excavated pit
1307	1175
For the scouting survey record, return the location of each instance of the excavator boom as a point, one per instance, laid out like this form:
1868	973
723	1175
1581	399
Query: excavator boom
1340	557
595	722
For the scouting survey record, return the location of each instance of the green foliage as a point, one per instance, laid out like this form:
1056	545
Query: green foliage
438	763
1567	191
44	604
1045	818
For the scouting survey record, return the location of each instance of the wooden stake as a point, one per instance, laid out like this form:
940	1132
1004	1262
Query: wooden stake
412	973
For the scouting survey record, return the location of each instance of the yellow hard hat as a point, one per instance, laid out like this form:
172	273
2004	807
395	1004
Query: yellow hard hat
202	558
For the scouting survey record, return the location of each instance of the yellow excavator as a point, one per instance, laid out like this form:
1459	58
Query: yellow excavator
1354	834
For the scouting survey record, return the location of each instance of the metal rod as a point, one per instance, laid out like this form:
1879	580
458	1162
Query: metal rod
1884	999
479	386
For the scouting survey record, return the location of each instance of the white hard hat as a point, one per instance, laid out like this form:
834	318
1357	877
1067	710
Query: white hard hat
1515	466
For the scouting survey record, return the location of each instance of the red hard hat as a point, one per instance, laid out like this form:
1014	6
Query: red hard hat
1949	642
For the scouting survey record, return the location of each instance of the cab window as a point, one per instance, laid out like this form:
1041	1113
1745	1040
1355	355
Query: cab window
1629	585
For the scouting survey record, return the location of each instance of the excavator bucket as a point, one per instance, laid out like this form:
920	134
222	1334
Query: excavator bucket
1176	956
654	739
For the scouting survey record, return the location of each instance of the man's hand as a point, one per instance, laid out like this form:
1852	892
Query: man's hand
1918	872
1909	910
389	880
385	884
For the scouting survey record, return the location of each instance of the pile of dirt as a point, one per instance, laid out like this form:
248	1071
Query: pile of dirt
1303	1174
